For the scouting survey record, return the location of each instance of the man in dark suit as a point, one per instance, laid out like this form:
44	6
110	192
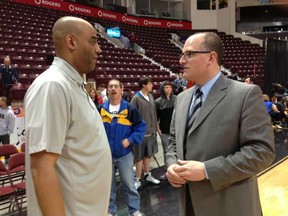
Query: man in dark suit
219	146
9	76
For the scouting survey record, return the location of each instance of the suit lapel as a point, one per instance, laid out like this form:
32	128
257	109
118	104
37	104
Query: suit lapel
215	95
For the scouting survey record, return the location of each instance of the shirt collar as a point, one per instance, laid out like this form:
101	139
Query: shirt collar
208	85
68	69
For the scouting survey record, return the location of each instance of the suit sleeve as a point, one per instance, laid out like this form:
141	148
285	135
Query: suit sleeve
171	155
256	142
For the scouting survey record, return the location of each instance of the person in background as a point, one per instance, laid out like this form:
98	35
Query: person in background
125	128
132	40
283	108
249	80
103	89
9	77
144	102
190	83
218	144
179	83
125	42
97	99
7	122
67	148
272	110
164	109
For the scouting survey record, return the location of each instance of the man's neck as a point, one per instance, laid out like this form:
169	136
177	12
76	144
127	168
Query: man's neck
144	92
204	80
115	102
167	96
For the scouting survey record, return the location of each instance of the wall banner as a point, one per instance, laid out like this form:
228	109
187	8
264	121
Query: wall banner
106	14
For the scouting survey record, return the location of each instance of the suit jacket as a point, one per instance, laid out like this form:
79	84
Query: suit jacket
233	136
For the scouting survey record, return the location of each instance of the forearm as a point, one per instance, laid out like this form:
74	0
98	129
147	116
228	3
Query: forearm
48	191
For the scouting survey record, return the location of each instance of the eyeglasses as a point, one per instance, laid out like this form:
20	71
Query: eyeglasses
115	86
189	54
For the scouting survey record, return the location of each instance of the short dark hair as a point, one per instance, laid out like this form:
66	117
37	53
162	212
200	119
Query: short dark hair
102	85
252	79
212	42
144	81
166	82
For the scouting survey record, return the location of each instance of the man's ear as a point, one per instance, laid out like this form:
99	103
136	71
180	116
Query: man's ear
212	57
71	42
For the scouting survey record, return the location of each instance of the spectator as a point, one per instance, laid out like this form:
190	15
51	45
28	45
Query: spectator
249	80
67	148
127	94
125	41
103	90
164	108
179	83
7	122
132	39
218	144
97	99
144	102
272	110
125	128
283	108
9	77
190	83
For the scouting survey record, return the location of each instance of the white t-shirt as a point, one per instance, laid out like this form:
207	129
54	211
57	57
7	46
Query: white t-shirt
104	94
145	96
61	118
113	109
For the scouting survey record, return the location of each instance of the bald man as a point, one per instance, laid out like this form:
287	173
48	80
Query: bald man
68	151
220	137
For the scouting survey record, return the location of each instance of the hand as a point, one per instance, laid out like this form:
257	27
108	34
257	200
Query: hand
125	143
191	170
174	179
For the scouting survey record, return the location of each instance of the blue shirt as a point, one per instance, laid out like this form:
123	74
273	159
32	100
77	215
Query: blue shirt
205	89
268	105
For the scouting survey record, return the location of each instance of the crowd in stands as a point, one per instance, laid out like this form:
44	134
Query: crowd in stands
277	109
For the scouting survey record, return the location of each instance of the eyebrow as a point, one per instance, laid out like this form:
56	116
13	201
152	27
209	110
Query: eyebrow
94	37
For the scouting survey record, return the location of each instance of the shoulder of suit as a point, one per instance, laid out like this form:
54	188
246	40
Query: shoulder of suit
241	86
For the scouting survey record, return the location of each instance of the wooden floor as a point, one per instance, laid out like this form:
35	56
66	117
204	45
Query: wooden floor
273	188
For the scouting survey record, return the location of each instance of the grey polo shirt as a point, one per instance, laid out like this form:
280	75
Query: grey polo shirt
61	118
